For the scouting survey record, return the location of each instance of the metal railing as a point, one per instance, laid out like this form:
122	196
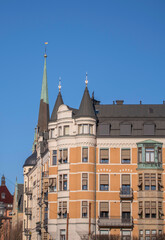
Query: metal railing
28	211
38	226
115	222
28	191
126	193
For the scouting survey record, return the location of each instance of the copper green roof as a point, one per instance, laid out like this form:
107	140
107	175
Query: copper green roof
43	117
44	91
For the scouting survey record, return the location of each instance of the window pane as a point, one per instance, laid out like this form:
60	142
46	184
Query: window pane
86	129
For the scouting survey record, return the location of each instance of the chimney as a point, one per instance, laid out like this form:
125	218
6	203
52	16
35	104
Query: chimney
163	101
119	102
3	181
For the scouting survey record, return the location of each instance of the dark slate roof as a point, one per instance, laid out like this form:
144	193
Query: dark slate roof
59	101
8	197
20	197
112	118
31	160
130	111
86	108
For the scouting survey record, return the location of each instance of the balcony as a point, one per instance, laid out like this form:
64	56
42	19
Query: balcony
28	211
39	200
27	232
115	222
126	193
45	174
46	197
38	227
46	223
150	165
28	191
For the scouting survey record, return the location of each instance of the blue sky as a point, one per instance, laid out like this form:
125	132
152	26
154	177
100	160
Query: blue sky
121	44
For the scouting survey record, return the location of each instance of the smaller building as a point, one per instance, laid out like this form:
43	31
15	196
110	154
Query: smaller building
17	214
6	205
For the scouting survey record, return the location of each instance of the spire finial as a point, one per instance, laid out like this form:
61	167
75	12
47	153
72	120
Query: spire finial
59	85
86	80
46	43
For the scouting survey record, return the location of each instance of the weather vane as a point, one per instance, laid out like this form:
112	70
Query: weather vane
86	80
59	86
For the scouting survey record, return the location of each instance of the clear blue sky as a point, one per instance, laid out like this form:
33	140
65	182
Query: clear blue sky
120	43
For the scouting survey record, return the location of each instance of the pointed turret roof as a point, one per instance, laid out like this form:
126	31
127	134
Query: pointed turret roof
86	108
59	101
43	117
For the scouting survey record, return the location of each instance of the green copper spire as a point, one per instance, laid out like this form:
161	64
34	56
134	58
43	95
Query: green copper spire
44	91
43	117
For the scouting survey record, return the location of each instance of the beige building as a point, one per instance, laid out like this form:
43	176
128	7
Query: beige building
97	170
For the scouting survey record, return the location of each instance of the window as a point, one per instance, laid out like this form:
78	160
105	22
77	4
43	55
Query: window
52	184
84	154
62	209
85	129
126	211
139	155
104	232
160	212
147	209
60	131
125	184
84	181
125	156
104	209
104	182
62	234
153	209
153	181
126	235
66	130
140	184
63	182
54	157
150	156
140	234
125	129
63	156
150	181
160	186
84	209
147	233
159	155
140	213
3	195
104	155
147	181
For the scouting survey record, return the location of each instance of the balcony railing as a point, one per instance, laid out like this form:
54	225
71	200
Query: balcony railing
38	227
27	232
46	223
28	211
28	191
151	165
115	222
126	193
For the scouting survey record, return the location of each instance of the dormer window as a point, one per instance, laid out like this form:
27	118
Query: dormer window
3	195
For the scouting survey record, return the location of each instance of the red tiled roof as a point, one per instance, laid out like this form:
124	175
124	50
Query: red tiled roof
8	197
